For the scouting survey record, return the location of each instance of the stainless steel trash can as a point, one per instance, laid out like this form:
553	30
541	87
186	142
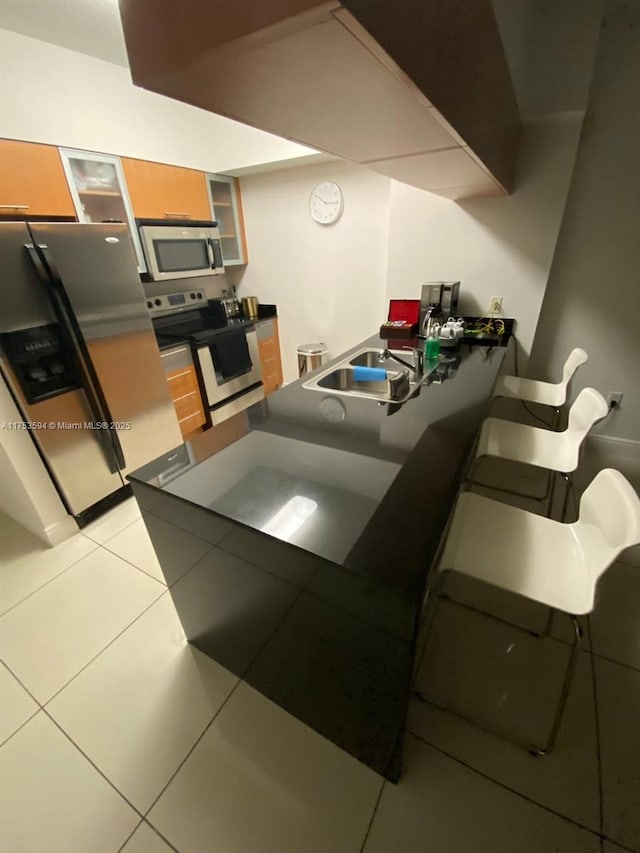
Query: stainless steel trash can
310	356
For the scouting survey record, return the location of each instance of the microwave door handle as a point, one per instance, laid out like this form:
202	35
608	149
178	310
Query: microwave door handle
211	253
46	268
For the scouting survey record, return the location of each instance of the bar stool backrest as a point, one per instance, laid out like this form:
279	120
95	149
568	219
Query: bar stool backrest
609	520
575	359
588	408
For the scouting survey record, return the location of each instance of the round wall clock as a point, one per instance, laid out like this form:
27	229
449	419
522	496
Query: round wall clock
326	203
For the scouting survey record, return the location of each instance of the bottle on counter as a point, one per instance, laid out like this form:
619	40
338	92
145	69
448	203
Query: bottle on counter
432	344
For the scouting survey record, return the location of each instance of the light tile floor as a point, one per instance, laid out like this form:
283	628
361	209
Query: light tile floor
116	735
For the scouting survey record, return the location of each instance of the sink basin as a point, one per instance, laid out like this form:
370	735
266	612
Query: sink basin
343	379
371	358
400	385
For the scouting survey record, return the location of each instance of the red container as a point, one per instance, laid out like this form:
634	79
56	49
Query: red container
404	315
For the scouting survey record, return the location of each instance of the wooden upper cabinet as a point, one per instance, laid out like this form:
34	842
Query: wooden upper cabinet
32	180
158	191
419	90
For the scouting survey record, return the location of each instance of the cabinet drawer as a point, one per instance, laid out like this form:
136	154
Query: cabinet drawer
267	349
191	422
264	330
175	359
182	382
187	403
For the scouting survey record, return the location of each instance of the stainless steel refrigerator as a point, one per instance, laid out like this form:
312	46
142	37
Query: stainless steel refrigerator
78	352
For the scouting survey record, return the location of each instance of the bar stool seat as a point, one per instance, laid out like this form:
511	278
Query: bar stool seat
557	452
554	564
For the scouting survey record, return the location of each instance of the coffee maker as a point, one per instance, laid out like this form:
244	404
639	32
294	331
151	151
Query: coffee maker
438	302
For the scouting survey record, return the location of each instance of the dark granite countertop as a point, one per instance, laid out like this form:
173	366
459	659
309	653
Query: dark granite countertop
367	487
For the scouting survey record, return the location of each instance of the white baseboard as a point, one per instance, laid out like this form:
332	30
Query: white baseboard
61	530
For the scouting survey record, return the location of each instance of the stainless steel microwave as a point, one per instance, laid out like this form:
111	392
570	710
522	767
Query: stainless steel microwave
180	248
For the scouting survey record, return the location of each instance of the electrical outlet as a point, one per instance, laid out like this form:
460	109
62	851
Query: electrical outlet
495	305
614	399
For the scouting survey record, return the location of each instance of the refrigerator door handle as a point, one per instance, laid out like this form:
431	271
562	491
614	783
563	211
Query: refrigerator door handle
46	267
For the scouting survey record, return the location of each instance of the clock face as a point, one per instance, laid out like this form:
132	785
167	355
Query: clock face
326	203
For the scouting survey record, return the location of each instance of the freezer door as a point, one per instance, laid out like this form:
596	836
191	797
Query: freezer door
96	268
80	461
23	299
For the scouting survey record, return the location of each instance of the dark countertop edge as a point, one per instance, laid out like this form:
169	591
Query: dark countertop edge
173	344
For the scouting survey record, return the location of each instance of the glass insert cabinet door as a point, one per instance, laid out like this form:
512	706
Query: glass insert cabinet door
99	191
225	208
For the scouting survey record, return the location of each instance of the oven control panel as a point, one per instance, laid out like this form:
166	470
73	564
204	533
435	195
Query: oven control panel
172	303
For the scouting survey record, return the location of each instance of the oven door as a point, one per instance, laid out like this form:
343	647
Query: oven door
181	251
218	387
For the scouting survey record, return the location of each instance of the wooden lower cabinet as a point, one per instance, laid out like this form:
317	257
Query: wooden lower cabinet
184	389
269	349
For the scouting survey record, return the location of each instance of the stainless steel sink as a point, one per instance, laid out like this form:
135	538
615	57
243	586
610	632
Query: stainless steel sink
371	358
343	379
399	386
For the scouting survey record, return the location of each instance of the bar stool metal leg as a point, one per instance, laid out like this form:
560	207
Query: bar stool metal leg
566	686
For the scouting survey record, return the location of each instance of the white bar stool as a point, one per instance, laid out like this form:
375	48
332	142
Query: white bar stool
558	452
555	564
544	393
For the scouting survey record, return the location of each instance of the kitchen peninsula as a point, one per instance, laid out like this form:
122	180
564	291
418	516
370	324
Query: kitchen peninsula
323	514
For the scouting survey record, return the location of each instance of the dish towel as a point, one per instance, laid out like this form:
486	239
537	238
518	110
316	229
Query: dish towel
230	353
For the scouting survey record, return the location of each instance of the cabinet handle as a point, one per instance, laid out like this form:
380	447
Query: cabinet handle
178	375
182	215
188	417
184	396
173	352
15	206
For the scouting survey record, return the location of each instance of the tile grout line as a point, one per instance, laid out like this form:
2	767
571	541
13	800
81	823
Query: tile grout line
616	662
630	565
21	726
41	706
160	835
195	744
86	535
597	721
92	763
373	815
502	784
51	580
126	560
233	690
144	822
130	836
618	844
110	643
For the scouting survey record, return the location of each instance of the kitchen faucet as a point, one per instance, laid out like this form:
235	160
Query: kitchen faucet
416	367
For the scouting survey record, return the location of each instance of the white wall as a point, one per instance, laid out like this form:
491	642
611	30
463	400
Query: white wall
54	95
26	492
327	281
495	247
593	297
